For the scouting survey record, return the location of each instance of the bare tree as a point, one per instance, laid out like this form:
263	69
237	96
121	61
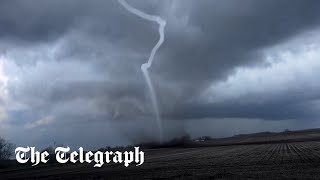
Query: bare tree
6	149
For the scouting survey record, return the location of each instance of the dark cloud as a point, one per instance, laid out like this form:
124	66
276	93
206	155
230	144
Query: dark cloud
229	35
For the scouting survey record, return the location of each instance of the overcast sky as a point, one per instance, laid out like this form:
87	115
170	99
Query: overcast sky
70	70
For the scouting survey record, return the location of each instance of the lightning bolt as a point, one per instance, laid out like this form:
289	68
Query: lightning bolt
148	64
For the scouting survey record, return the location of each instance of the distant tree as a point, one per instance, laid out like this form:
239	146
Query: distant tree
6	149
207	138
286	131
50	149
204	138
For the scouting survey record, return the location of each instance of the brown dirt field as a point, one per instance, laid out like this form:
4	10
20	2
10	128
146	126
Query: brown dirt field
255	161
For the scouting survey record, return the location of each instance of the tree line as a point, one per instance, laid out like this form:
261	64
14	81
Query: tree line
6	149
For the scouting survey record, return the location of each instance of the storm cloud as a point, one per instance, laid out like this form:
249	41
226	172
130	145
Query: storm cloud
75	67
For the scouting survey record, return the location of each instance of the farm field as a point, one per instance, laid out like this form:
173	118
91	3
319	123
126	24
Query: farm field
255	161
